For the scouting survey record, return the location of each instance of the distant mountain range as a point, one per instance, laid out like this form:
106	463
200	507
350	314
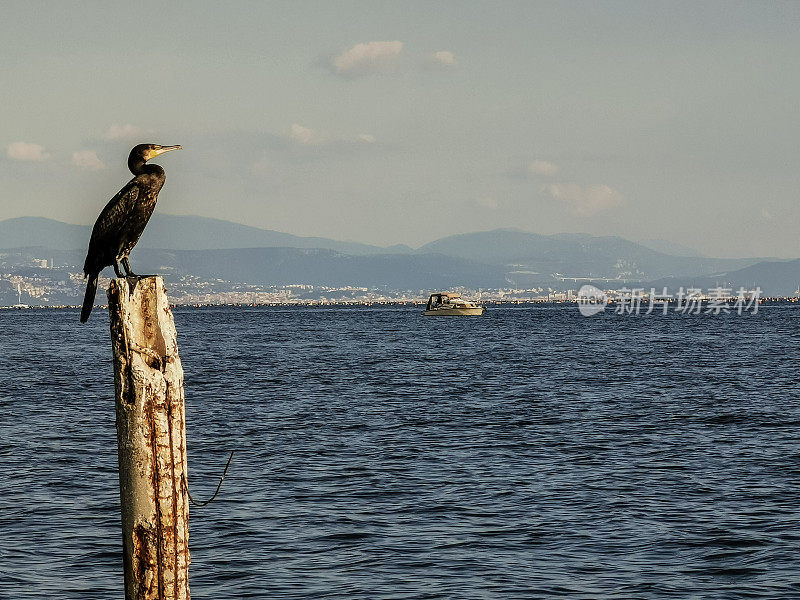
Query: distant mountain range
174	232
212	248
531	258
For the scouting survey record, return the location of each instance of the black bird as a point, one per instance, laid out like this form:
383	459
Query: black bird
123	220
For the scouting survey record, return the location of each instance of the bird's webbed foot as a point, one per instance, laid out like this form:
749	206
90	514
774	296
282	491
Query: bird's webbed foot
127	266
117	270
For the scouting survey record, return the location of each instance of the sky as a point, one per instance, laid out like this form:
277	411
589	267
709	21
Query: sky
403	122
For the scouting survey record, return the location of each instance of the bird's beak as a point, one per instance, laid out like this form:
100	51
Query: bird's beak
162	150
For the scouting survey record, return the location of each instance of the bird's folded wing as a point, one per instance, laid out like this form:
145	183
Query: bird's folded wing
113	219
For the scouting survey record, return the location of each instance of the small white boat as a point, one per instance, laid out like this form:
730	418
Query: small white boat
450	305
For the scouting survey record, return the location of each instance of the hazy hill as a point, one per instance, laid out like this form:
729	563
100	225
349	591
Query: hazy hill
531	256
175	233
775	278
279	266
38	231
200	233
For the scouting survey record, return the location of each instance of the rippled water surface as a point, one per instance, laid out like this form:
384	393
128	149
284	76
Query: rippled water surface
529	453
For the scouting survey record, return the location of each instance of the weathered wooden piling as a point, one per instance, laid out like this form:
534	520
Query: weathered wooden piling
151	437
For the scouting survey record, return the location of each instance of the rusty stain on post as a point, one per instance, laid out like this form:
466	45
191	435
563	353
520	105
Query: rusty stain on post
151	436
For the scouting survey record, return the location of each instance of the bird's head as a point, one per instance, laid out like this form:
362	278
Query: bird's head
144	152
147	152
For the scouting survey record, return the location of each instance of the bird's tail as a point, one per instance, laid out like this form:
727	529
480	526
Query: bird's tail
88	299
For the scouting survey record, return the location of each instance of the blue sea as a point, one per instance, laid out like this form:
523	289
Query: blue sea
528	453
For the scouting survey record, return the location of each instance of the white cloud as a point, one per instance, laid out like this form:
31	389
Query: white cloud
444	58
487	202
123	132
586	200
25	151
88	159
304	135
363	59
542	167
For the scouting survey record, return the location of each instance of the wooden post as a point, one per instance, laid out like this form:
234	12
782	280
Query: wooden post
151	437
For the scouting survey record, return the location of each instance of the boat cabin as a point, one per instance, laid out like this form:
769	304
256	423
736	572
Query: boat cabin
437	300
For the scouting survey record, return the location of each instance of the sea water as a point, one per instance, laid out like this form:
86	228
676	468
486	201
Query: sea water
528	453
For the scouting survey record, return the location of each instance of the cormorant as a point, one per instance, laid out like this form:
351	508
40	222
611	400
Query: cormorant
123	220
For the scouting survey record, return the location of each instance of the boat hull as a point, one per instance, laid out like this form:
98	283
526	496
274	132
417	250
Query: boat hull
454	312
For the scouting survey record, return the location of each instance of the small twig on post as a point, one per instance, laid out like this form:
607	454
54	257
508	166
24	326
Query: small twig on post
151	436
219	486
